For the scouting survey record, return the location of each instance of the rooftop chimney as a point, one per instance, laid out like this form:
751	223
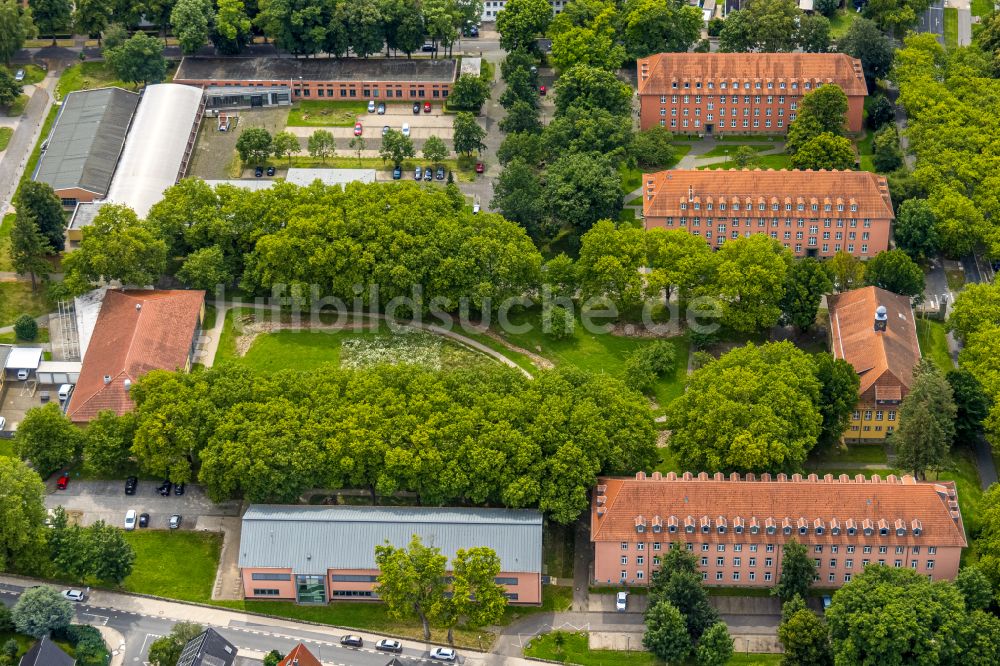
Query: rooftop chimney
107	379
138	306
881	317
128	385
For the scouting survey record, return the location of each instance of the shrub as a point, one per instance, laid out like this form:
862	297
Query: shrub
715	26
880	112
26	328
645	365
557	322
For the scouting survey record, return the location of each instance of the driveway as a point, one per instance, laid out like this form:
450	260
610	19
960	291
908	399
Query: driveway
107	501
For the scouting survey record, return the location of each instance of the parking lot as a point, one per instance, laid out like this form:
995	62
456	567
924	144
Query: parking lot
422	125
107	501
20	396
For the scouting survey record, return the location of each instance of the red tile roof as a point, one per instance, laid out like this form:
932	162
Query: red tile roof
665	191
658	72
853	337
299	656
136	331
622	503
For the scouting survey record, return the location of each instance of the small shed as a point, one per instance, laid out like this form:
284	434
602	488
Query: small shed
58	372
23	358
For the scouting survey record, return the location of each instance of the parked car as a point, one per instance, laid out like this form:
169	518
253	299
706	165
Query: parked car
131	483
385	130
381	108
63	481
443	654
389	645
164	488
418	173
22	374
352	640
428	47
175	521
541	90
19	75
475	209
258	172
64	391
474	31
397	172
427	107
130	520
143	520
270	171
621	601
416	108
371	106
406	129
74	595
179	489
440	173
480	167
428	174
827	600
358	129
3	422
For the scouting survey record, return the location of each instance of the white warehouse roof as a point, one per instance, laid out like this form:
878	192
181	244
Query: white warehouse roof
24	358
155	146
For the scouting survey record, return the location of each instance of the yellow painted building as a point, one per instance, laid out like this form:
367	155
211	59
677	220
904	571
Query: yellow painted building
875	331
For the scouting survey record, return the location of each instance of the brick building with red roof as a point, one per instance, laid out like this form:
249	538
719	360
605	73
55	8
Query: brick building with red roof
136	331
736	526
812	213
741	93
300	656
875	331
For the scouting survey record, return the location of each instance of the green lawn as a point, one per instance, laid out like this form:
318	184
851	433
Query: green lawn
722	151
317	113
763	162
840	22
934	342
574	650
635	201
7	448
950	27
865	152
175	564
36	153
6	227
11	338
87	76
627	218
5	134
16	298
631	178
981	7
17	108
596	352
24	643
558	546
857	454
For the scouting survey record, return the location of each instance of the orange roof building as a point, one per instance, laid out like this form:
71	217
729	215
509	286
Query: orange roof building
300	656
875	331
741	93
736	526
136	331
812	213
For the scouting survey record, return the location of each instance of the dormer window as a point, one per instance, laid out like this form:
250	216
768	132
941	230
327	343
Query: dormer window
787	530
869	531
854	208
689	529
754	529
704	528
819	530
851	531
672	529
826	208
640	528
738	529
803	530
835	531
770	529
697	205
684	206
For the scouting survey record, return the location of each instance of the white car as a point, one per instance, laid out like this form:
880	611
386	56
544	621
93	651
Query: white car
3	422
22	374
475	209
443	654
64	391
621	601
130	520
406	129
73	595
371	106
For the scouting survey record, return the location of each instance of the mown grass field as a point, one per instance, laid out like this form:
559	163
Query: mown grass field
933	338
319	113
177	564
572	648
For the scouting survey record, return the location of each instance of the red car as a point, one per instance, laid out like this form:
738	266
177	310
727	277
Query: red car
358	129
427	107
479	167
541	90
62	482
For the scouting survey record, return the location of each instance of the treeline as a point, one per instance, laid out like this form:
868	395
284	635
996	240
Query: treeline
483	437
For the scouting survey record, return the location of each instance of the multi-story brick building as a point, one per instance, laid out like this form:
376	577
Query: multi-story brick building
740	93
812	213
875	331
738	525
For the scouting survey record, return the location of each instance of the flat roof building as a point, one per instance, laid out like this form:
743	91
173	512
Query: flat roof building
82	150
325	78
812	213
875	331
737	525
303	177
312	554
136	331
741	93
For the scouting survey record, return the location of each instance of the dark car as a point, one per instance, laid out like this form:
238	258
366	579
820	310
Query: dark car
381	108
258	172
397	172
428	174
130	485
164	488
174	522
353	641
440	173
389	645
270	171
179	489
62	482
474	31
416	107
143	520
428	47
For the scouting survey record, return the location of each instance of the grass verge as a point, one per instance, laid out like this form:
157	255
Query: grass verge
730	149
572	648
174	564
463	167
841	22
5	134
317	113
17	108
763	162
36	153
856	454
950	27
87	76
981	7
6	227
933	338
558	548
16	298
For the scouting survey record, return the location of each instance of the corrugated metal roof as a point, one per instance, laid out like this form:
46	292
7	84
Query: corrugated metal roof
313	539
86	140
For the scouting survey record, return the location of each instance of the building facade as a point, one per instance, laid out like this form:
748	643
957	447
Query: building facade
741	93
875	331
493	7
314	554
324	78
812	213
737	526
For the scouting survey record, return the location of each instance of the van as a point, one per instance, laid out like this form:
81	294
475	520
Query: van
130	520
64	392
22	374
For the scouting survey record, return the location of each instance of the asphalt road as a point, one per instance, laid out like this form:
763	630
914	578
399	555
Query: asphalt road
141	630
21	144
932	20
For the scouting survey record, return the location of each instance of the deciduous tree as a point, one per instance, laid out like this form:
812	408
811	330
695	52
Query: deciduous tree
231	27
112	556
666	635
972	405
190	20
51	16
468	93
805	284
434	150
915	230
303	27
139	59
322	144
475	595
47	438
797	571
926	421
165	651
396	147
518	195
522	116
824	151
206	269
283	144
40	201
593	88
28	248
16	26
609	264
651	26
411	581
653	148
846	271
521	21
762	25
975	588
887	155
22	514
25	327
467	134
806	639
677	261
715	647
895	271
364	27
749	279
107	443
41	610
838	395
814	33
582	189
254	145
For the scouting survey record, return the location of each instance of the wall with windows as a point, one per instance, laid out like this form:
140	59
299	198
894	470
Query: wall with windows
268	583
349	90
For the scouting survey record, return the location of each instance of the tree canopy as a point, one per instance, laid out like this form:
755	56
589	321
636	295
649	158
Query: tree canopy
926	421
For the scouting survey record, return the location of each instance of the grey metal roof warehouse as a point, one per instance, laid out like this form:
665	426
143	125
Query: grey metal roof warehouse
314	69
313	539
87	139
